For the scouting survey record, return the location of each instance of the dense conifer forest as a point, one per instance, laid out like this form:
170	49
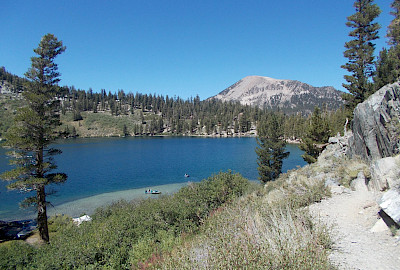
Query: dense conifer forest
86	113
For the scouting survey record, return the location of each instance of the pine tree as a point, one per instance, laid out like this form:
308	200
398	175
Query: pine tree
33	131
271	148
394	27
388	64
77	115
318	133
360	52
125	131
387	67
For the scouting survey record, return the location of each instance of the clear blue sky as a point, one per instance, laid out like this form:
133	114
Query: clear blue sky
185	47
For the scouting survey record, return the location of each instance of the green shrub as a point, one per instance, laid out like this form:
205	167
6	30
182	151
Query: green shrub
133	234
59	223
206	225
16	255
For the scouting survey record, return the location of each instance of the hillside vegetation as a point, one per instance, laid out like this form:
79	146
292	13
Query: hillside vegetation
219	223
89	114
8	109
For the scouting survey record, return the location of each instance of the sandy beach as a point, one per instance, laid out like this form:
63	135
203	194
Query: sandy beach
89	204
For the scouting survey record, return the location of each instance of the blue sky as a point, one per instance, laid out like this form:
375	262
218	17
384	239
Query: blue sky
184	47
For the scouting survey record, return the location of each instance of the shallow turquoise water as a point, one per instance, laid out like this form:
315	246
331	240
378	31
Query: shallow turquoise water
105	169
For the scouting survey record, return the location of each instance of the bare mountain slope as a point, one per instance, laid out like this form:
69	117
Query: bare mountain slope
287	95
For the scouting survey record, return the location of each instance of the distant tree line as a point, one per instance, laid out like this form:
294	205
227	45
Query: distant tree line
158	114
192	116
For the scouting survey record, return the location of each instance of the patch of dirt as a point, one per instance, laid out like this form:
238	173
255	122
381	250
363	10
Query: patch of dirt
352	215
34	240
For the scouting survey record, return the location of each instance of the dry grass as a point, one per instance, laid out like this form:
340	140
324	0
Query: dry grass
348	170
268	229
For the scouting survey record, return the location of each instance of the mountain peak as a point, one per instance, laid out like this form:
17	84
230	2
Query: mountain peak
287	95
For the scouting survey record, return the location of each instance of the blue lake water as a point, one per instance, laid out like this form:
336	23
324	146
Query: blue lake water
104	169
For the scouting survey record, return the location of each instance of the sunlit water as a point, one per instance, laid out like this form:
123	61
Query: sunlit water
103	170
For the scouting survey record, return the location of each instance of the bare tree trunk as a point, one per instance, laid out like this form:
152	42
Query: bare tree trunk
42	214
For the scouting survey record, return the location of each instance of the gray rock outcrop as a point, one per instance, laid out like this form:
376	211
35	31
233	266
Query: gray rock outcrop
385	173
390	204
376	125
385	176
376	139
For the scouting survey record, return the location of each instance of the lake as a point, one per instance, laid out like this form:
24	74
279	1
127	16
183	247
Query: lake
102	170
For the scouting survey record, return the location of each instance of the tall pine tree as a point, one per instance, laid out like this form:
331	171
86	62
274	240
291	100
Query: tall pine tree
33	130
394	27
360	52
388	64
271	148
387	67
317	134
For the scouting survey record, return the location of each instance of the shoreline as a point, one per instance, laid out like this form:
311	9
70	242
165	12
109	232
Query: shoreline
88	205
244	135
288	141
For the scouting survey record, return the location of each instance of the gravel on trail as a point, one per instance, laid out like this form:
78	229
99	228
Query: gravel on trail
359	242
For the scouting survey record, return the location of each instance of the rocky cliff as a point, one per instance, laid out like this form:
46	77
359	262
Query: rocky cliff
376	140
287	95
376	125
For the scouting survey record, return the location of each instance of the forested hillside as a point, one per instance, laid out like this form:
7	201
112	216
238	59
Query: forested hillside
89	114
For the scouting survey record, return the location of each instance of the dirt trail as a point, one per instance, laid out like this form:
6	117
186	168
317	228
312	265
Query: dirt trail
353	214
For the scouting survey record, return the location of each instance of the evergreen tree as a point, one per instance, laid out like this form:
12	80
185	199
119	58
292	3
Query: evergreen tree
244	123
94	106
271	149
77	115
388	64
236	127
73	133
33	131
387	67
125	131
394	27
67	132
318	133
360	52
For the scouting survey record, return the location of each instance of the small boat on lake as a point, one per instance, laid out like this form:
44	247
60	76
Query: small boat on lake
186	175
149	191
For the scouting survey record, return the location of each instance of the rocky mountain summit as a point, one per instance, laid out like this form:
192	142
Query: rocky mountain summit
288	95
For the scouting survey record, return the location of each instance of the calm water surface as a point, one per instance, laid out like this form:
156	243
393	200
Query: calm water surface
109	165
